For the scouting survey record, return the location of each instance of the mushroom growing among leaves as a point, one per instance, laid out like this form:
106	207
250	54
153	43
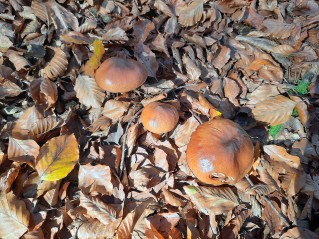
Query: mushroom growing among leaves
120	75
159	117
220	152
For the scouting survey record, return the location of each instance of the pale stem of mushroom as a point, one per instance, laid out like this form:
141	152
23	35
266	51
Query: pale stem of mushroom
270	204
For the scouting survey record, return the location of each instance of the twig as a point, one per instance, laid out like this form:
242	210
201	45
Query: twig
124	143
270	204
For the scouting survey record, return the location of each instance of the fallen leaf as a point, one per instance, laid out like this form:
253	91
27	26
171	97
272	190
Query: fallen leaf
274	111
278	154
25	151
95	179
88	92
191	14
57	66
8	88
14	216
93	63
57	157
114	109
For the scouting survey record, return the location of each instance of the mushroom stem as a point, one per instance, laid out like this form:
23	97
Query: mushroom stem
270	203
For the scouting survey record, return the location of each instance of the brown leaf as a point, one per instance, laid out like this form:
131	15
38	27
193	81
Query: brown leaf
114	109
142	29
88	92
221	57
57	66
8	177
115	34
21	129
5	43
36	234
14	216
147	57
280	29
274	111
44	125
25	151
278	154
98	209
298	233
172	199
76	38
95	179
87	26
18	60
94	229
193	72
275	223
302	109
284	50
61	17
191	14
40	10
183	131
263	92
50	92
8	88
230	231
212	201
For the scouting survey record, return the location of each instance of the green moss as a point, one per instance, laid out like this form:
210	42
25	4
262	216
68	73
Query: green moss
274	130
302	87
294	113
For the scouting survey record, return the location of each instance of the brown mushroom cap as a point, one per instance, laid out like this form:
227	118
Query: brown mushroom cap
159	117
219	152
120	75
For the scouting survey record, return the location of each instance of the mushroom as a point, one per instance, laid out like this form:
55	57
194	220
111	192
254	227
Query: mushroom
119	75
159	117
220	152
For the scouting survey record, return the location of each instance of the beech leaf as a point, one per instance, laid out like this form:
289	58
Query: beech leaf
88	92
57	157
191	14
14	217
274	111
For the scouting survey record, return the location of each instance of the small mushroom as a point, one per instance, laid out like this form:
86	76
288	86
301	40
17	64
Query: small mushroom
159	117
119	75
220	152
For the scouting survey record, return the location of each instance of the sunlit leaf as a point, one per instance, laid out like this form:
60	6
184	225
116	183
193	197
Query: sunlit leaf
14	217
93	63
274	111
191	14
57	157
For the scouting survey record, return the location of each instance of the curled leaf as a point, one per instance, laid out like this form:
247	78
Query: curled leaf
57	65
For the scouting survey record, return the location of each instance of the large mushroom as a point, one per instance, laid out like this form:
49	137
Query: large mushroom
159	117
220	152
119	75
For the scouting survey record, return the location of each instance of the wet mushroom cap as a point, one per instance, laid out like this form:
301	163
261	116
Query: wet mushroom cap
119	75
159	117
220	152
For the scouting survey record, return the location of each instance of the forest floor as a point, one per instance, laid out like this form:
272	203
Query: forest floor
76	162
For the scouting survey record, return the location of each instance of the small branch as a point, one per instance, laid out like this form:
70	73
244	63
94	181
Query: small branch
279	214
124	143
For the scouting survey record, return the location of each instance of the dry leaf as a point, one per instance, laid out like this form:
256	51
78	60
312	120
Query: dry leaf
114	109
57	66
191	14
25	151
274	111
88	92
57	157
94	229
8	88
221	57
14	216
98	209
95	179
279	155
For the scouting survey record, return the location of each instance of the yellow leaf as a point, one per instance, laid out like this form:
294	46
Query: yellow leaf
57	157
93	63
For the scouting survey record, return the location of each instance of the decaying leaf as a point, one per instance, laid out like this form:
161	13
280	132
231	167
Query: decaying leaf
191	14
274	111
88	92
14	216
57	157
8	88
57	66
23	150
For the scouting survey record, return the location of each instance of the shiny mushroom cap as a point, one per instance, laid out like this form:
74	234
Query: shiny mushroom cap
220	152
159	117
120	75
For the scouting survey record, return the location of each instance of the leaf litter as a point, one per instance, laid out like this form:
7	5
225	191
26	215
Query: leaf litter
76	162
